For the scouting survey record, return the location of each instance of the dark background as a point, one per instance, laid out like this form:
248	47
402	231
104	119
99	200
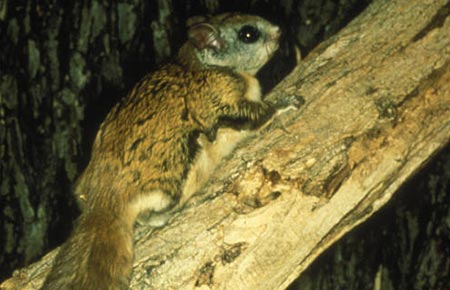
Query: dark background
63	64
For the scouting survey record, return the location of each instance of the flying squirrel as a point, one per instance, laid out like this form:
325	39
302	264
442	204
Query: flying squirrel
160	143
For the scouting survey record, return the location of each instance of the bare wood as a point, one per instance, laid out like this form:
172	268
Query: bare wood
377	108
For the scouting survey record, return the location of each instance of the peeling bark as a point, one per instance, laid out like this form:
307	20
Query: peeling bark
377	109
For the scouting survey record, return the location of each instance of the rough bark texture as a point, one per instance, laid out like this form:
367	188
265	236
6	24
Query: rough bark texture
405	245
64	64
377	108
56	61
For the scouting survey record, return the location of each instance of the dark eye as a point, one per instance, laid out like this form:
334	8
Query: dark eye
249	34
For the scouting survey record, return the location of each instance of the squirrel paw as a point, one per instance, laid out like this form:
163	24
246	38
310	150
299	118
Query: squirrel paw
293	101
156	220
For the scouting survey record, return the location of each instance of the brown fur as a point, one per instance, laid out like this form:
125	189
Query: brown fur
141	158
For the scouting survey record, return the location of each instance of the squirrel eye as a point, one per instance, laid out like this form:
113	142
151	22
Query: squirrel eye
249	34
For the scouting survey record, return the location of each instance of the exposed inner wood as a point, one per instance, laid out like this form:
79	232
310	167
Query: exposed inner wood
377	109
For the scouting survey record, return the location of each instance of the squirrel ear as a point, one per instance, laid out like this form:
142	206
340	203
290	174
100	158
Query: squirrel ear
194	20
204	35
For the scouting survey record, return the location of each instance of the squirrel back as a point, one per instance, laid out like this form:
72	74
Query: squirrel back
147	144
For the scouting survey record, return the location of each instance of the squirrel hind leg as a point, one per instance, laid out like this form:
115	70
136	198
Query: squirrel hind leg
154	219
152	208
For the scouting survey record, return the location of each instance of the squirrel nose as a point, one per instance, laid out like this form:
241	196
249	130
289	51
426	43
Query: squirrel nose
275	32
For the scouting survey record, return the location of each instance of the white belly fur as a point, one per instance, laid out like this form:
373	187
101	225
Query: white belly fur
210	157
213	153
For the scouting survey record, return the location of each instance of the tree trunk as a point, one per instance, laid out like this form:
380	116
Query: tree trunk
62	67
403	246
377	107
57	60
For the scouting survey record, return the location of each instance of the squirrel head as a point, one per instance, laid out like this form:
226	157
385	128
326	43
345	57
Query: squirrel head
238	41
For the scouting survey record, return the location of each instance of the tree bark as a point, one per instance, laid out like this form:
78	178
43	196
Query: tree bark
402	246
58	58
377	107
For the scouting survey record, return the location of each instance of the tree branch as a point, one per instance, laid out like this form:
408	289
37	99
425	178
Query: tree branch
377	108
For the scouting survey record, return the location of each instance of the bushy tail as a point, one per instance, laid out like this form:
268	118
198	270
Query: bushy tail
98	255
